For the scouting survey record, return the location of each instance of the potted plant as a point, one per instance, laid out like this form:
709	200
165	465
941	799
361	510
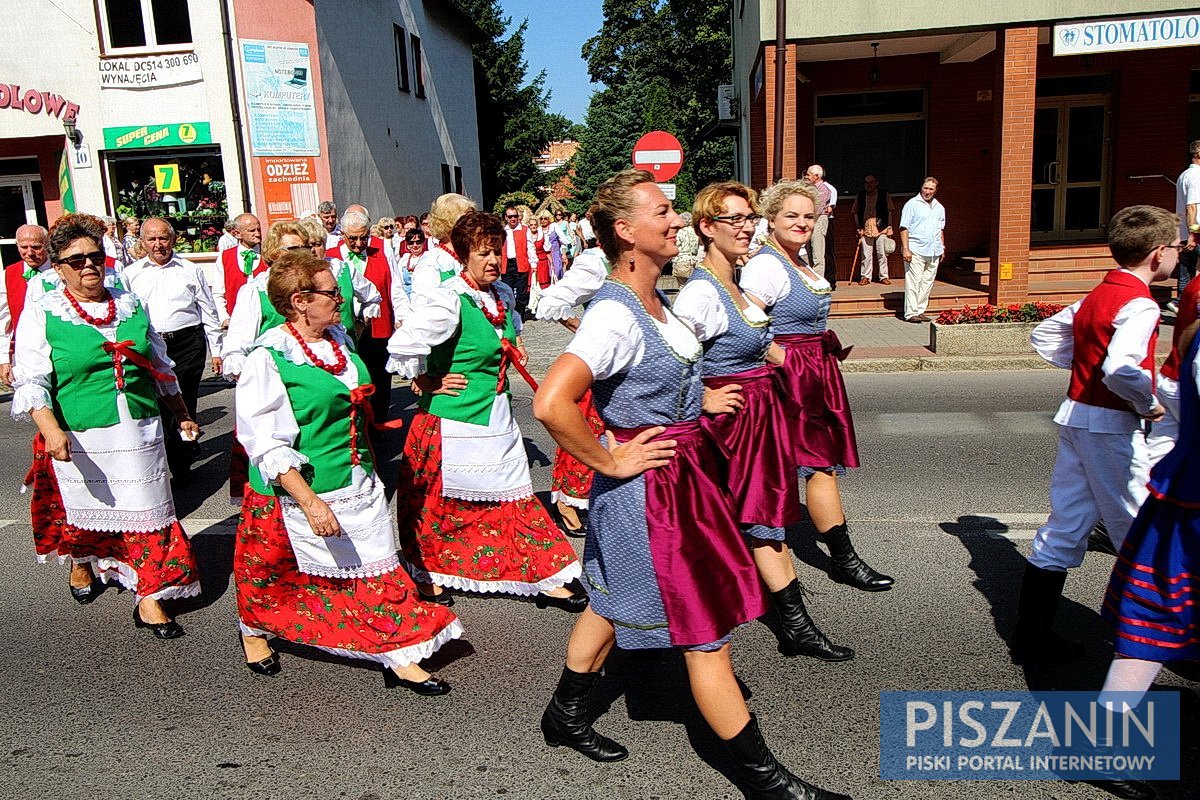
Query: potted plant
987	329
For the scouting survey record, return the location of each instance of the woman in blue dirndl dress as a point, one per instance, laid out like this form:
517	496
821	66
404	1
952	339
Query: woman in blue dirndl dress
663	557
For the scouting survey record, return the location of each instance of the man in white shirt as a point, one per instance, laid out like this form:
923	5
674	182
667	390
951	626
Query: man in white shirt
922	241
31	246
585	229
181	308
328	212
227	239
520	257
816	176
237	264
1187	206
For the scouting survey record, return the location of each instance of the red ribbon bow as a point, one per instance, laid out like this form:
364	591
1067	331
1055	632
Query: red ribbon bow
509	354
360	406
122	351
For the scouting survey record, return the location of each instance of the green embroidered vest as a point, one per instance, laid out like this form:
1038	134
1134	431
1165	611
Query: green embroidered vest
474	351
321	405
345	283
84	382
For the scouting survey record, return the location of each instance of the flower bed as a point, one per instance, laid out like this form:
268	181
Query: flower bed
988	329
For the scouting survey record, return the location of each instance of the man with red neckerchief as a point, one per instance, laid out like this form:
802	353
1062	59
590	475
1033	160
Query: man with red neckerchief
368	260
31	245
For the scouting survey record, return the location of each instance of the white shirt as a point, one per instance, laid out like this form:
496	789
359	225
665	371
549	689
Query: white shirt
176	296
700	305
1187	193
7	323
610	341
925	223
218	283
1122	370
226	241
585	228
833	197
510	244
427	274
577	286
435	319
765	277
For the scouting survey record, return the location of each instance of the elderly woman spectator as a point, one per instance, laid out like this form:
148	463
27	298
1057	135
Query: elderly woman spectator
132	227
315	559
441	264
385	230
468	517
88	371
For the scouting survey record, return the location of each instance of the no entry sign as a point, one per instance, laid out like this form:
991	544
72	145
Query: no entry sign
659	153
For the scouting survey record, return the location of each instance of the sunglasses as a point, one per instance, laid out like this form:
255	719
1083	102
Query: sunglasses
77	261
333	294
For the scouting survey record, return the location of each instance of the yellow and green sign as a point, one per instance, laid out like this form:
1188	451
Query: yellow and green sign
175	134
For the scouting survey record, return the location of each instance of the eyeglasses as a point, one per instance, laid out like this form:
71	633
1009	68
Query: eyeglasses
333	294
364	238
738	220
77	261
299	247
416	241
1176	247
511	216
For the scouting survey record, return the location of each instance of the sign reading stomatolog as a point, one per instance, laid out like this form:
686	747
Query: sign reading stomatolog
36	101
1118	35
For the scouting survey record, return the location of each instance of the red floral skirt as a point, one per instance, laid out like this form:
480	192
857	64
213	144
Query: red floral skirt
379	618
153	564
571	480
511	547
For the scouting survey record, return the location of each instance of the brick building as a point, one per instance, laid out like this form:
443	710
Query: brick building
1039	119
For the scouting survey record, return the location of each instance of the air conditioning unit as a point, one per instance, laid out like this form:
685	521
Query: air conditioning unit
727	103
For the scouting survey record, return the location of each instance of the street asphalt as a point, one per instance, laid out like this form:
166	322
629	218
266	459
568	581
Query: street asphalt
954	483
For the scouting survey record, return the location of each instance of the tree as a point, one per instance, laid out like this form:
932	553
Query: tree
661	62
514	123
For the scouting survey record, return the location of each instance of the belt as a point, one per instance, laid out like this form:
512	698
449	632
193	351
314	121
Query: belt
179	334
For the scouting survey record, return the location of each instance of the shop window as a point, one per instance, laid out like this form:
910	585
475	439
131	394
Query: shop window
400	39
447	185
418	67
458	187
879	133
192	198
145	24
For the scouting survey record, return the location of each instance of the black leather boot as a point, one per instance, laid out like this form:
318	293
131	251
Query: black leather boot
846	566
798	634
764	778
565	720
1033	639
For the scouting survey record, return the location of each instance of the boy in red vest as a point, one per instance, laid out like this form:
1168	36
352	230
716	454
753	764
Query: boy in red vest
1107	340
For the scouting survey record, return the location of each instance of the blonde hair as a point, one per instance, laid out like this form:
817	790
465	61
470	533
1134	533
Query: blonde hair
614	201
772	199
314	231
377	230
270	246
711	199
445	211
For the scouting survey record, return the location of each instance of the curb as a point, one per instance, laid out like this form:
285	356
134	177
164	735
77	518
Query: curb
934	363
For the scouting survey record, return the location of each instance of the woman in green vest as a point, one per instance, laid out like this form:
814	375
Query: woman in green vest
88	370
468	516
315	556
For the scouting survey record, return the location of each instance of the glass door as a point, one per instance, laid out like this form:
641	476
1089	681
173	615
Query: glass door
17	208
1070	169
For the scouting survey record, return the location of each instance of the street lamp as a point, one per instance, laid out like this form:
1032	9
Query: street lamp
74	135
873	75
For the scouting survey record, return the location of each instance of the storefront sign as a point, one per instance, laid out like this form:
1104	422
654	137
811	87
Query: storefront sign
173	134
279	98
289	187
1117	35
166	177
35	101
81	157
149	72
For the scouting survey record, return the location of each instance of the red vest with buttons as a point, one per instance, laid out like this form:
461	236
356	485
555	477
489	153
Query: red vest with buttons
235	278
1189	311
378	272
521	245
1093	330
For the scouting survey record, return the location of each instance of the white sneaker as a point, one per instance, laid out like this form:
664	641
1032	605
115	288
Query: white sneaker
1173	307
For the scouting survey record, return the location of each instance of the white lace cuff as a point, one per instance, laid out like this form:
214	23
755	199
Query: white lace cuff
279	460
166	387
554	309
372	311
232	364
407	367
28	397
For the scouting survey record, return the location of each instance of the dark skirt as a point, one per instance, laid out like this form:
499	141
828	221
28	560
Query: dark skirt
821	429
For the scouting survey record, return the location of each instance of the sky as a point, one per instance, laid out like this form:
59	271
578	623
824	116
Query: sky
556	33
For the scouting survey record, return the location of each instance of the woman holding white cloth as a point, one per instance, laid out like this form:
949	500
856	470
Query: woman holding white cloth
468	516
315	558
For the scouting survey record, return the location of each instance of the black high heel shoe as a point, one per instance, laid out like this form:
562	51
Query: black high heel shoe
88	593
163	630
575	604
444	599
575	533
433	686
269	666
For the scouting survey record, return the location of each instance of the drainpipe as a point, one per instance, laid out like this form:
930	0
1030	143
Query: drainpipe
780	66
235	105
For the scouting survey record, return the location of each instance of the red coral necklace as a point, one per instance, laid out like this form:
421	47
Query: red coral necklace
336	368
501	314
88	318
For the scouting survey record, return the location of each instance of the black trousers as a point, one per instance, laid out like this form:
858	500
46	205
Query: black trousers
188	349
519	282
374	354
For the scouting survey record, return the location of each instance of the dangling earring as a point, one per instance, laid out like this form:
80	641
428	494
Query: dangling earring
631	263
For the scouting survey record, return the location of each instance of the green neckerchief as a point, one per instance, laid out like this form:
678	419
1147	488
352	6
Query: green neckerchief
248	257
353	258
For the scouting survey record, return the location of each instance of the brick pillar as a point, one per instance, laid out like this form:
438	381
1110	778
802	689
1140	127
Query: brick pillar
1015	98
789	117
